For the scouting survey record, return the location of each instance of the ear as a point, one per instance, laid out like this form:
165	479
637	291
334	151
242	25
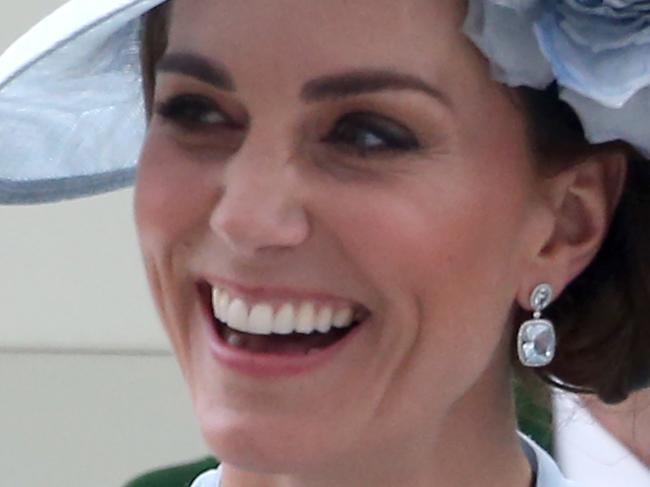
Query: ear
581	200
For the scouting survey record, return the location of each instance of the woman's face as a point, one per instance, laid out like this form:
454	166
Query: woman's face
331	155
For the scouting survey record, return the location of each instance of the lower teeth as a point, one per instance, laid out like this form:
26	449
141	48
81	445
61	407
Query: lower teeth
235	340
293	344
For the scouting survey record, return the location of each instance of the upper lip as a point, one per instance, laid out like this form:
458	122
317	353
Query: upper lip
266	293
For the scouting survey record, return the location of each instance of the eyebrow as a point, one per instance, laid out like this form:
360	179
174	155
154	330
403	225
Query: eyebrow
327	87
367	81
197	67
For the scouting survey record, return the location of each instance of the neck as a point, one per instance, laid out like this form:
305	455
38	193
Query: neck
628	422
476	441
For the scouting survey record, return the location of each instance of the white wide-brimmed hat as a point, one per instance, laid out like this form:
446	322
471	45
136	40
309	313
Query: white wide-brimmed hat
72	117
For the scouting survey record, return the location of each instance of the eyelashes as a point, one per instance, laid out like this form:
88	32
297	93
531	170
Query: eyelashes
366	133
193	113
360	133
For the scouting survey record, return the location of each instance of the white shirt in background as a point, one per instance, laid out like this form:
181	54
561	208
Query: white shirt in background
589	454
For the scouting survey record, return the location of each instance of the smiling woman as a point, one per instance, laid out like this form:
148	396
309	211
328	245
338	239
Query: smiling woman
343	226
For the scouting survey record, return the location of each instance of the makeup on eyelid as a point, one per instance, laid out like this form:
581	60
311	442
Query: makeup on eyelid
355	125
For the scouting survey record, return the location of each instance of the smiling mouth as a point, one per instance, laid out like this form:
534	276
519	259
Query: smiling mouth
287	328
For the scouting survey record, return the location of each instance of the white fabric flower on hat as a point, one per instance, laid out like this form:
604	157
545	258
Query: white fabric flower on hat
598	51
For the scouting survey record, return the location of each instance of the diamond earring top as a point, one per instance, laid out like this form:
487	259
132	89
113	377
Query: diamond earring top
540	298
536	338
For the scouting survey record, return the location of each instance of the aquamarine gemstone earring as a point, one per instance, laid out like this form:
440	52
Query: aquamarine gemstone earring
536	338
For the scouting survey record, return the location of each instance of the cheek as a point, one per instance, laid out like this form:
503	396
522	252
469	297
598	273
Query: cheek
427	236
172	195
443	258
441	263
170	204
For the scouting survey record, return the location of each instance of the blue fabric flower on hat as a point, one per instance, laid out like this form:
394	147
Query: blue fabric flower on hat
598	51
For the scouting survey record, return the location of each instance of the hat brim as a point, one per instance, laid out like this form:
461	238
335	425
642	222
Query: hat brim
71	103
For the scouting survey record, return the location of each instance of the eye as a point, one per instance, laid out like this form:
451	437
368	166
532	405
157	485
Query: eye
193	113
366	133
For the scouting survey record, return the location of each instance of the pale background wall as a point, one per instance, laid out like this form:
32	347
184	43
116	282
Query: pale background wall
89	392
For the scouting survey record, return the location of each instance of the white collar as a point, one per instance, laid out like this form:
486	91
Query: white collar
544	467
588	453
211	478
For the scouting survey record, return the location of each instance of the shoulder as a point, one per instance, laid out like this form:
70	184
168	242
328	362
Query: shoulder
174	476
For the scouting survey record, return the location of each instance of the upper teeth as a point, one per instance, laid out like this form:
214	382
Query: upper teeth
286	318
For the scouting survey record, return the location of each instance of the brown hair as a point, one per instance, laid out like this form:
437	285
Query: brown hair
602	319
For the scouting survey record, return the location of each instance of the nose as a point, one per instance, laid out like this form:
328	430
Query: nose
259	209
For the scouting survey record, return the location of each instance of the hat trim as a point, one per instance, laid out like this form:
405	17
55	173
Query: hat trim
53	190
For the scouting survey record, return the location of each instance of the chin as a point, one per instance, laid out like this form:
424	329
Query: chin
262	443
257	445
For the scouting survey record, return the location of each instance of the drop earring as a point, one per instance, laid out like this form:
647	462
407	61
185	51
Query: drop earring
536	337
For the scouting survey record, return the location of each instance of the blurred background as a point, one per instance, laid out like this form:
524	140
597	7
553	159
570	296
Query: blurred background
90	394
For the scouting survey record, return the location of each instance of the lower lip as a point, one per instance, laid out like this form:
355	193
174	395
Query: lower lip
268	365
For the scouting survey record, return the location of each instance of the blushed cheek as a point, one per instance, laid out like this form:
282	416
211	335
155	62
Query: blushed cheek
161	206
167	198
149	209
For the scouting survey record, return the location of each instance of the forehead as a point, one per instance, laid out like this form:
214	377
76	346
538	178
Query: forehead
290	36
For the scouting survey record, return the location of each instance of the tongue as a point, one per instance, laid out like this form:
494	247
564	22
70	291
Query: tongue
293	344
